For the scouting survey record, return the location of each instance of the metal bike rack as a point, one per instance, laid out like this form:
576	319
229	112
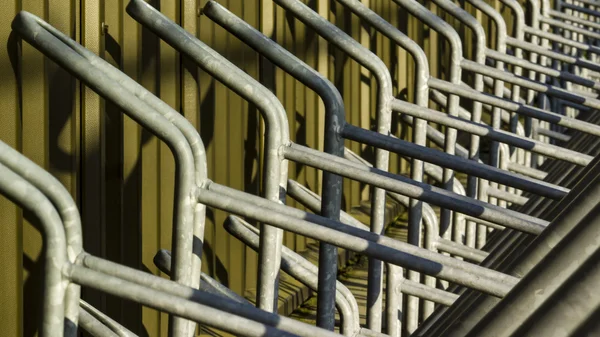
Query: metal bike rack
62	274
26	18
123	91
240	31
538	233
398	37
54	55
117	280
243	30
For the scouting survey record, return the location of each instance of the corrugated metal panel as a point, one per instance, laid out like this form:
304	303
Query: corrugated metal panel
122	177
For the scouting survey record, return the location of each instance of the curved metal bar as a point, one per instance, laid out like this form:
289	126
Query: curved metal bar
238	31
518	23
421	89
82	63
498	86
530	65
533	58
501	36
66	208
480	47
370	61
284	150
31	199
414	49
543	100
334	144
56	259
180	122
273	113
401	39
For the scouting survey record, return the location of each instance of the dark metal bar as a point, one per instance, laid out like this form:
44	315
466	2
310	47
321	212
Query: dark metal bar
456	163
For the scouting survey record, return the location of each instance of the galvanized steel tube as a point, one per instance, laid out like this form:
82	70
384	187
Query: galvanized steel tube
276	133
78	61
498	135
31	199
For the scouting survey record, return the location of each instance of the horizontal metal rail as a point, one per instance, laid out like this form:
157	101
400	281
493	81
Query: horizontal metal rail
430	194
432	240
360	241
524	110
530	47
529	84
574	19
488	132
459	164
